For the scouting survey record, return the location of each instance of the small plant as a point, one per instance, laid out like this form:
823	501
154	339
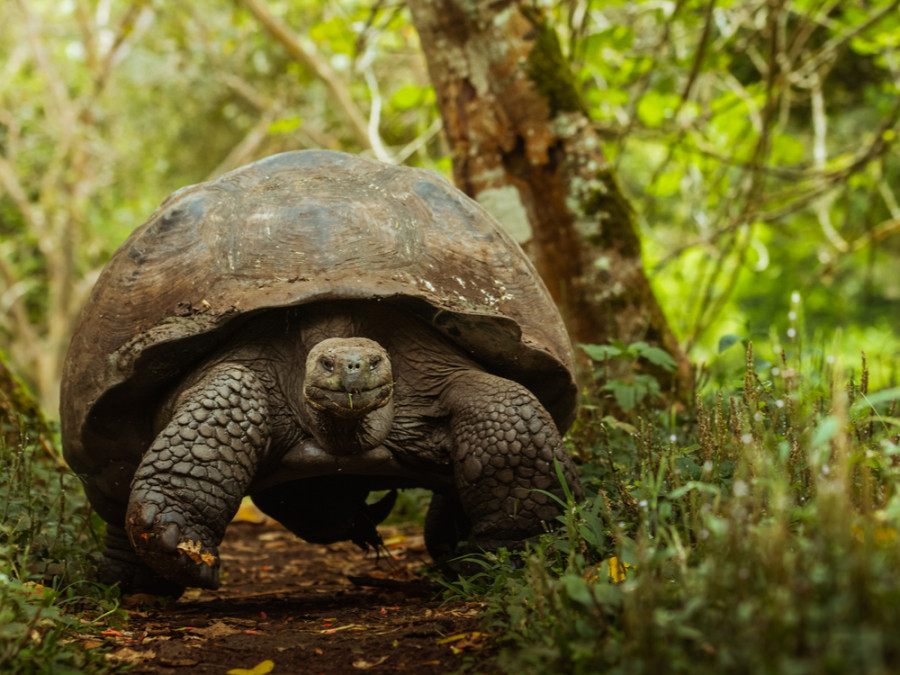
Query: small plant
628	386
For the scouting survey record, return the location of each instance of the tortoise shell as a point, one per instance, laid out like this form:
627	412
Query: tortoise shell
298	228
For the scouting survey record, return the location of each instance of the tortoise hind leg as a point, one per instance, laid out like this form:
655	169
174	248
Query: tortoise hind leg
327	509
503	461
191	481
446	527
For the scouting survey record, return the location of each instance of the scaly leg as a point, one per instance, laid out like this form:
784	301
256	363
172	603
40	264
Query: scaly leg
505	447
191	481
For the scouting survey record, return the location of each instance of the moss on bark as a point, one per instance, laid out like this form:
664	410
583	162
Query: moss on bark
20	414
548	69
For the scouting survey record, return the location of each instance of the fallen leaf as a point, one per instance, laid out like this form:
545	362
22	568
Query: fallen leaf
260	668
473	635
470	641
128	655
178	661
363	665
139	600
216	630
192	594
192	549
396	540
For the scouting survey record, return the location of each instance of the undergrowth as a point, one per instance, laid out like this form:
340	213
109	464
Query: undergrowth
46	542
757	534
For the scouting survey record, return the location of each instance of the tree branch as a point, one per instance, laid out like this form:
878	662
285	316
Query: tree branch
306	54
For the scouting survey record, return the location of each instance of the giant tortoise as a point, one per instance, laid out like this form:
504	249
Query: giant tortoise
306	330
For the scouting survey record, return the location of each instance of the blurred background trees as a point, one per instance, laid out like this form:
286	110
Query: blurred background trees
754	139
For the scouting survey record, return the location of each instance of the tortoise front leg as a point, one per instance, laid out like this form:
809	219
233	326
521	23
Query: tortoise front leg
191	481
121	565
503	461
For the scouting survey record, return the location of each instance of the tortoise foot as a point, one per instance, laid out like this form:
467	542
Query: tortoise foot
121	565
175	550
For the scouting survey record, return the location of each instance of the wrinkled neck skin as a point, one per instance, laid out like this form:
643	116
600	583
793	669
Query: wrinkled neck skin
351	436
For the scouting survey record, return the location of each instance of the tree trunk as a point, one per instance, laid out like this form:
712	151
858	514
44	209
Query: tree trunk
21	418
524	147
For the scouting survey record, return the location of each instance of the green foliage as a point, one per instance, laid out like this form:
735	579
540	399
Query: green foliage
760	534
46	542
758	146
34	623
632	388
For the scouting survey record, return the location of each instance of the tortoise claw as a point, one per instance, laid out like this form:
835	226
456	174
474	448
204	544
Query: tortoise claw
175	552
168	539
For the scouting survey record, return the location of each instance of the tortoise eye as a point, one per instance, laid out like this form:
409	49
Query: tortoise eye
327	364
373	364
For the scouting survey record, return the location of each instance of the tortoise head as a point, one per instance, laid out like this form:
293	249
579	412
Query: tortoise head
348	391
348	377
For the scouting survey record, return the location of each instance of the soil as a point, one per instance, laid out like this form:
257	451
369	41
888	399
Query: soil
287	606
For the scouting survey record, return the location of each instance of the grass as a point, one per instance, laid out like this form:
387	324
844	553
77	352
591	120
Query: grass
757	533
47	538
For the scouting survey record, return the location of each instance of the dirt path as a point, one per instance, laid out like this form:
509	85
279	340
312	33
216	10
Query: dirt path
293	604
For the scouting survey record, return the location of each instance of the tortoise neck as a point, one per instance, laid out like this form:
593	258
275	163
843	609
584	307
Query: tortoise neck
351	435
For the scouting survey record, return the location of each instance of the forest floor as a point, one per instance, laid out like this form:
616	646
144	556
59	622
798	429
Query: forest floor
287	606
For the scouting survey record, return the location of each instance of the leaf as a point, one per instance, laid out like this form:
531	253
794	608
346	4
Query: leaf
408	97
249	513
601	352
260	668
577	589
395	540
285	126
364	665
659	357
461	636
616	424
216	630
614	569
727	340
699	486
655	107
824	432
625	393
131	656
192	549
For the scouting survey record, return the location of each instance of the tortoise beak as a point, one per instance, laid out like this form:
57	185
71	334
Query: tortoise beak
348	403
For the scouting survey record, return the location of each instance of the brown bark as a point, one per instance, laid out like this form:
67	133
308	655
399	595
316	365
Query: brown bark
524	147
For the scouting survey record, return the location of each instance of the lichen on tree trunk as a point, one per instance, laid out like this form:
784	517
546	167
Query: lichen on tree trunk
523	145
